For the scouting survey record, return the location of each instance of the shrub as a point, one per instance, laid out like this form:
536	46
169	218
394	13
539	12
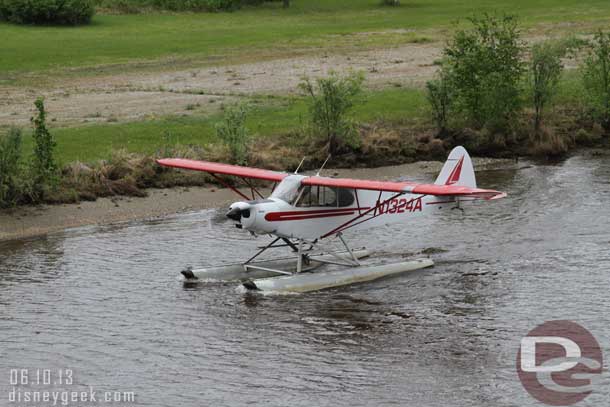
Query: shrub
124	6
485	66
10	157
63	12
132	6
439	95
549	145
596	77
330	100
545	71
233	133
44	169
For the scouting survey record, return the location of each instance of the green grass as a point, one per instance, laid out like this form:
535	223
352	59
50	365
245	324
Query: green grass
308	24
268	118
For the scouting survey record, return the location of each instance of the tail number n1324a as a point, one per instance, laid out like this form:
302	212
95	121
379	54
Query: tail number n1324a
401	205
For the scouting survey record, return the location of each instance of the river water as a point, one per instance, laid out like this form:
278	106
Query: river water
106	303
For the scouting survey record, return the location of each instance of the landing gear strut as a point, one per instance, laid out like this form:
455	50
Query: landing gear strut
304	255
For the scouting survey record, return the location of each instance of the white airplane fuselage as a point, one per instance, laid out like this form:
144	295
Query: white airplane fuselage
295	211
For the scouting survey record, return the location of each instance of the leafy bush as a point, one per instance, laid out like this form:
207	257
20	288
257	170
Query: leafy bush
544	72
330	99
10	156
596	78
44	169
485	66
440	96
197	5
63	12
233	133
134	6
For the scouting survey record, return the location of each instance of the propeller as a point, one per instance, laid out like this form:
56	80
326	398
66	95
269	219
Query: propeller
239	210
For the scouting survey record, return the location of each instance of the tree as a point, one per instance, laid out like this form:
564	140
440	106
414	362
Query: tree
233	133
43	167
596	78
63	12
330	100
545	72
10	156
439	93
486	69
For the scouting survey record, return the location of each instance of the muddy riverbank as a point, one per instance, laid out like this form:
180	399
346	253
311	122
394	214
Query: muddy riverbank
31	221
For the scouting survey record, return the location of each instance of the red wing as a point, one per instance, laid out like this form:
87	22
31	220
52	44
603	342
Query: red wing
225	169
406	187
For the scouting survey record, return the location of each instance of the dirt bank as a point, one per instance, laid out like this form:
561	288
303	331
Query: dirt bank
34	221
133	96
136	95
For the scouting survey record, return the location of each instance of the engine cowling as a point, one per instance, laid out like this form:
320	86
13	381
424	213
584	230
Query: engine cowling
251	215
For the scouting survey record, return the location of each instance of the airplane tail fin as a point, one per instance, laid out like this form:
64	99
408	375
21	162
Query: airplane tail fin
458	170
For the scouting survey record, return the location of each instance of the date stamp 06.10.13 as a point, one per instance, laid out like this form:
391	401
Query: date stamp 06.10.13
58	387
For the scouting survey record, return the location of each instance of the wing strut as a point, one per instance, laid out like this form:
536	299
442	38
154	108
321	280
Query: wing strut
349	224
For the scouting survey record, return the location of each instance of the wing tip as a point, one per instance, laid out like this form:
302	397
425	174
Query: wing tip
167	162
498	195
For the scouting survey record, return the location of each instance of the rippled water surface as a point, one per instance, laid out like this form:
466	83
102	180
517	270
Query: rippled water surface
107	303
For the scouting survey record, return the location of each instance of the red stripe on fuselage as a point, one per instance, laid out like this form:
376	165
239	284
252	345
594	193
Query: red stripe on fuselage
300	215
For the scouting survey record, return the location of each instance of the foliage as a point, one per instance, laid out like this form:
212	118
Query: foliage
544	74
10	157
62	12
390	2
596	77
486	68
440	96
134	6
233	133
44	168
330	100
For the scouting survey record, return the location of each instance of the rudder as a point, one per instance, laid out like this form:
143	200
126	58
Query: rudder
458	170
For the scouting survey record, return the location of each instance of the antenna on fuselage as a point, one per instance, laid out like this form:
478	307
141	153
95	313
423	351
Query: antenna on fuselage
300	164
322	167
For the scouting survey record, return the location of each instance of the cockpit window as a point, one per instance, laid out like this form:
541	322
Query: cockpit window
287	190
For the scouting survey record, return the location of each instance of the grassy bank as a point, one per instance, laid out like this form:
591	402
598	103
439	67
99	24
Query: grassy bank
161	40
269	118
394	127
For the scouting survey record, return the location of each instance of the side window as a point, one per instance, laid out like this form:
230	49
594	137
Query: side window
317	196
327	197
345	197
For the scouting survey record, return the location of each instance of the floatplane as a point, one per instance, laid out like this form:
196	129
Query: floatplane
303	213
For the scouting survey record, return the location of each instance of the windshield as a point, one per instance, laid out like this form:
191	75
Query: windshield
288	189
